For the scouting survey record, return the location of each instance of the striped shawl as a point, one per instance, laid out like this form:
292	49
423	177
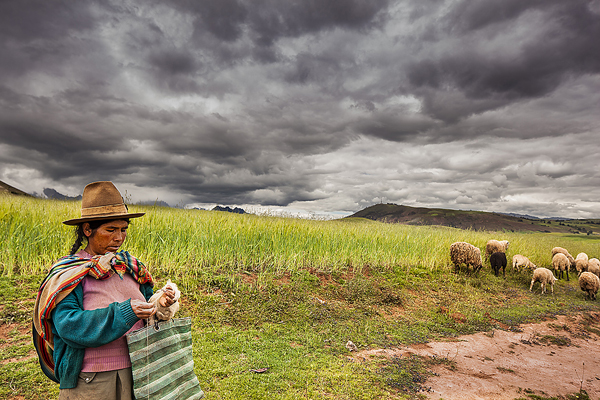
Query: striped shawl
62	278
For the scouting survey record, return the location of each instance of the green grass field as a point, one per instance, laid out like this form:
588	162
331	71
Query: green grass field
287	294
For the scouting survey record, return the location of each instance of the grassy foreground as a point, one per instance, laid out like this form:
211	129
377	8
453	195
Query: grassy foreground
287	295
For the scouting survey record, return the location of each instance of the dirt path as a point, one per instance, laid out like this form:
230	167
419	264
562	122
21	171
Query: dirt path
553	358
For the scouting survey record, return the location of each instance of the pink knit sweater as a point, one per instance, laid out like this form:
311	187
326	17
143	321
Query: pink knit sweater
99	294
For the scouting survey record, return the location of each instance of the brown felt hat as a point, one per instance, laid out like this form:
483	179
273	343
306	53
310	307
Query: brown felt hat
100	201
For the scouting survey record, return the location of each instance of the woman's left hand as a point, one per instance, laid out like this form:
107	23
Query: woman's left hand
141	309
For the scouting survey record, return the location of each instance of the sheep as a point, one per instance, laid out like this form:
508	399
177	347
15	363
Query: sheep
594	266
522	261
565	252
561	263
589	283
465	253
497	260
494	246
581	263
543	276
164	313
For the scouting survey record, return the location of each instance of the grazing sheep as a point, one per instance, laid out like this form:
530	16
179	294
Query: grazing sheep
565	252
520	261
581	263
498	259
543	276
465	253
589	283
164	313
494	246
561	263
594	266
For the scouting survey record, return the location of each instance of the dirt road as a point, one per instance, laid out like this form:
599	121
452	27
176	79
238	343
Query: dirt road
553	358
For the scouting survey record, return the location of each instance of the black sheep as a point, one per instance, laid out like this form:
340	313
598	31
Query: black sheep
498	260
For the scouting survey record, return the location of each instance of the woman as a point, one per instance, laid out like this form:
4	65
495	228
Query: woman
90	300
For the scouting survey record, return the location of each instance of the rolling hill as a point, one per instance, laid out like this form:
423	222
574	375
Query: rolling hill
7	189
476	220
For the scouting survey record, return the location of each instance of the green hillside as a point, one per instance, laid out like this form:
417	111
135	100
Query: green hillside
477	220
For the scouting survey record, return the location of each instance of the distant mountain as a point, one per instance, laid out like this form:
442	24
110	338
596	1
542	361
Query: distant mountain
53	194
476	220
236	210
6	188
532	217
520	215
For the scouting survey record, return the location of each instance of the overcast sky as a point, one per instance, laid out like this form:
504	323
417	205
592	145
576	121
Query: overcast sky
322	106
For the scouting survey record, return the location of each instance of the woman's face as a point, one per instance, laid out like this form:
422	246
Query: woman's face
107	237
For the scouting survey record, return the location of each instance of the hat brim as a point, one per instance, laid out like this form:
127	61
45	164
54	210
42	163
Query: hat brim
77	221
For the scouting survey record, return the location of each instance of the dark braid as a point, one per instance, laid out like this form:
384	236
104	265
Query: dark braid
79	236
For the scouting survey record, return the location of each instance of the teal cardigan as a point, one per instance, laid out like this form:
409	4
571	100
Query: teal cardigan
75	329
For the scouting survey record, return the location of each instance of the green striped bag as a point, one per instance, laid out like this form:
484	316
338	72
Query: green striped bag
162	362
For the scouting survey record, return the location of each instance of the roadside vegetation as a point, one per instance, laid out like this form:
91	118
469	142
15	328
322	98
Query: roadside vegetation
275	300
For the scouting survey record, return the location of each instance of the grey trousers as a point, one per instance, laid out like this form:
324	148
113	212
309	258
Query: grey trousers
109	385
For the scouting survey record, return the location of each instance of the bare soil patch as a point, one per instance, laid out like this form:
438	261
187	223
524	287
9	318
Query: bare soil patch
6	340
554	358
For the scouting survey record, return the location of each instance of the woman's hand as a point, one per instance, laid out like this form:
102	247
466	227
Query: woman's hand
141	309
168	297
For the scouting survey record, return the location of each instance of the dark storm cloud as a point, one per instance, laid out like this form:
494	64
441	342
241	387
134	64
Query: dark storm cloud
40	34
470	15
390	126
269	20
231	31
209	159
174	70
38	19
223	19
173	62
274	19
336	104
561	47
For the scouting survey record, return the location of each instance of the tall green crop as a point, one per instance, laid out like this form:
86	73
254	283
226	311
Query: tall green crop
196	242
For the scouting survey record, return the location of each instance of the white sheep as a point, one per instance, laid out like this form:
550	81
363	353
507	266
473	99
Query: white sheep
581	263
594	266
465	253
561	263
589	283
543	276
164	313
520	261
565	252
494	246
